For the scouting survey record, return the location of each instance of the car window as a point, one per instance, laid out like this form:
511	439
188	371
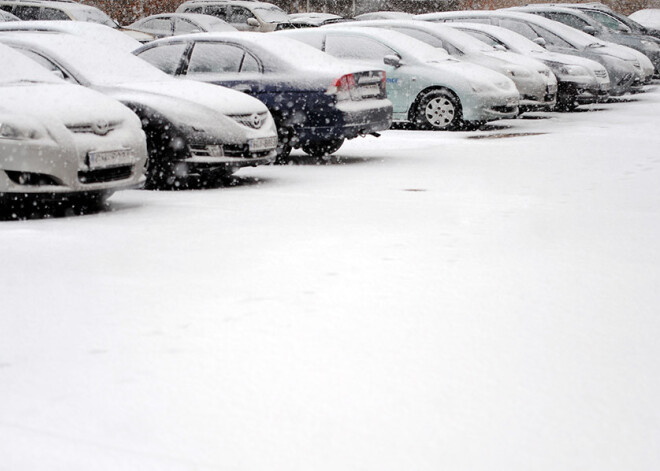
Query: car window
166	58
7	8
219	58
219	11
569	20
182	26
238	15
26	13
53	14
46	63
421	35
193	9
519	27
488	39
356	47
607	20
552	39
159	25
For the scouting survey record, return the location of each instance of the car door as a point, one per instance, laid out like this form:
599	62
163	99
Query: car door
371	52
167	57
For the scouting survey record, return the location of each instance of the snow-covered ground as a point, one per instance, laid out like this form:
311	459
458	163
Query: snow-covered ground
459	301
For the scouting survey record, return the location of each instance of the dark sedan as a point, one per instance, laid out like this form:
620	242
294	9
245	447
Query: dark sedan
317	101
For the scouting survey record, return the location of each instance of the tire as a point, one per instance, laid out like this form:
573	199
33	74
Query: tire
322	148
438	110
160	173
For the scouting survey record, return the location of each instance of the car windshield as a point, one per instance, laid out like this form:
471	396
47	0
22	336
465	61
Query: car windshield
16	68
95	63
271	14
93	15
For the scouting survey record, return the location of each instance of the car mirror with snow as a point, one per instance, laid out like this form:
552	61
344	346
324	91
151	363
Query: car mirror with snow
540	41
253	22
590	30
392	60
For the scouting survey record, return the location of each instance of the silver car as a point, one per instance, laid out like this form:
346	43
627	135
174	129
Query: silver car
59	140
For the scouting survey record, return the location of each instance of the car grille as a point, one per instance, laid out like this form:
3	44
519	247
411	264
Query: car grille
206	151
601	73
504	109
242	150
100	128
106	175
253	120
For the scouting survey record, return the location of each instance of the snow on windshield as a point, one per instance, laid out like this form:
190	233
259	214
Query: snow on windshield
271	14
18	68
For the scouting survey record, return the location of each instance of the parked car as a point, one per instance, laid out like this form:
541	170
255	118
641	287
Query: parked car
244	15
60	141
175	24
191	128
30	10
93	31
313	19
594	25
428	88
6	16
580	80
647	17
535	82
622	66
316	101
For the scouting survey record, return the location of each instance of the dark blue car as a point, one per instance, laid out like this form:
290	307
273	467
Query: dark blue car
317	101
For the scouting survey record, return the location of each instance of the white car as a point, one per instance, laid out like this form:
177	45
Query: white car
175	24
649	17
244	15
192	128
59	140
535	82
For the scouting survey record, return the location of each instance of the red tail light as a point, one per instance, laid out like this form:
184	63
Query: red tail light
344	88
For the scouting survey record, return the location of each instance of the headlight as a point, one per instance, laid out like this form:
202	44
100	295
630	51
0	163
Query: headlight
653	46
575	70
11	131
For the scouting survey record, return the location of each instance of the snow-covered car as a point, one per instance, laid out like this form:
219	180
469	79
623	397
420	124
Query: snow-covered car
602	28
427	87
316	100
30	10
191	127
535	82
244	15
623	67
6	16
93	31
580	80
59	140
175	24
314	19
647	17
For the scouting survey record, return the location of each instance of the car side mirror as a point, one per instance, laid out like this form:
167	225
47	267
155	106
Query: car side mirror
499	47
590	30
58	73
540	41
392	60
625	29
253	22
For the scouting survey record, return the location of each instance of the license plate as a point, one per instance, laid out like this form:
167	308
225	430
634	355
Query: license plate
369	90
110	158
262	143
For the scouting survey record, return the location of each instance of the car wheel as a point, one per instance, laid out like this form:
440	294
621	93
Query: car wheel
159	172
322	148
438	110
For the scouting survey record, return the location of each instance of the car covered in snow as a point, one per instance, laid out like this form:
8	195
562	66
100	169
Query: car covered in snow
602	28
175	24
622	64
59	140
580	80
31	10
427	87
316	100
93	31
244	15
647	17
191	128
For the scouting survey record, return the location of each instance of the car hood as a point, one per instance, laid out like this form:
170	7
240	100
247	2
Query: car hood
214	97
62	103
